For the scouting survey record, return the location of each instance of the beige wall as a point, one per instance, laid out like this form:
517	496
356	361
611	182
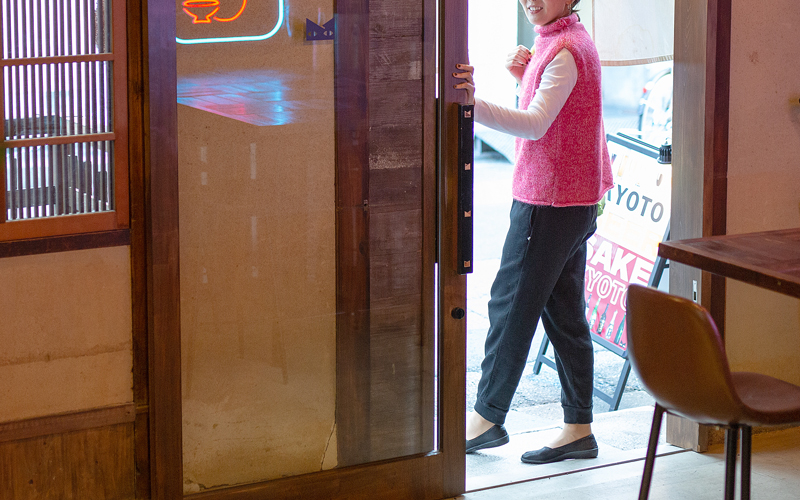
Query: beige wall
763	328
66	332
258	258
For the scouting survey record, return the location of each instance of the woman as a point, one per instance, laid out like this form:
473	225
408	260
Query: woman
562	171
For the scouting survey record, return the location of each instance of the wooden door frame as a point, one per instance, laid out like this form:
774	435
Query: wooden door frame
158	248
453	20
700	138
700	160
352	233
702	74
156	280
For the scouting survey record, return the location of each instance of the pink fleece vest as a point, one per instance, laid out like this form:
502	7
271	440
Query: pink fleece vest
569	165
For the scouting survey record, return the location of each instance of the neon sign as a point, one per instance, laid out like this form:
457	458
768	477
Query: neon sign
194	8
204	12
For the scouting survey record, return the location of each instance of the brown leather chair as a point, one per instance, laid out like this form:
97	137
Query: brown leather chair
677	353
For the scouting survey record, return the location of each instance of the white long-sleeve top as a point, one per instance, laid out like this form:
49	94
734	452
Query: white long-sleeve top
558	80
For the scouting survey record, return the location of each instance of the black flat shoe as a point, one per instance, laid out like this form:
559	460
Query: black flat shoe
585	447
494	437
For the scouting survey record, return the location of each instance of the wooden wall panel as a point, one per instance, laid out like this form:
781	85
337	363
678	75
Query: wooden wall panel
394	276
395	103
394	147
395	62
397	377
398	342
403	18
396	232
395	189
81	465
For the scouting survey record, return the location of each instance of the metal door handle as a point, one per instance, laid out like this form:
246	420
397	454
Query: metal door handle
465	186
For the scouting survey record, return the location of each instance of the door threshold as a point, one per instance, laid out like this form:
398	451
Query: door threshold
526	473
621	435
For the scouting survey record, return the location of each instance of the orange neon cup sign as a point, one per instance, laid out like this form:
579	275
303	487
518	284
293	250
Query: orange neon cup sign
219	21
203	11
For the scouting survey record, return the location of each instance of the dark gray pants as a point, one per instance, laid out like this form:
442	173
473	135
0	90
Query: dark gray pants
541	276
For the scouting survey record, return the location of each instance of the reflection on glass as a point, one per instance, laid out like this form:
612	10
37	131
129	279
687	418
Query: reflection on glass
228	21
260	244
257	97
257	224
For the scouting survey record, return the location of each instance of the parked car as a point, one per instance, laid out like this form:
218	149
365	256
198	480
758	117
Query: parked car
655	109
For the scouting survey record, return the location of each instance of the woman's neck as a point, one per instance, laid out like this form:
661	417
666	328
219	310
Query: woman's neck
556	19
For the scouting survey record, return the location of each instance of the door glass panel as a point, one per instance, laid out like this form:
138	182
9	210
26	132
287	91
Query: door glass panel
306	311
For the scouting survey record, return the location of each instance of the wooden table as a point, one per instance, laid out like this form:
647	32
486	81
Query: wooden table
769	259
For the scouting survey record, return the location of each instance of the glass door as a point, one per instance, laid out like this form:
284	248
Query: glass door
317	243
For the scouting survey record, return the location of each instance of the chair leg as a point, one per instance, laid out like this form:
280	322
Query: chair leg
747	444
649	462
731	441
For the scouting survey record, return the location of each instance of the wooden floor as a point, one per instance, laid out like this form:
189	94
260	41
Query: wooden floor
681	476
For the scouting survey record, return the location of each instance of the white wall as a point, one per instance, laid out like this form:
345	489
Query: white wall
763	328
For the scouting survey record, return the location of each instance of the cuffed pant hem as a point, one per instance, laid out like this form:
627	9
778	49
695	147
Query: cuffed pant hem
574	415
493	415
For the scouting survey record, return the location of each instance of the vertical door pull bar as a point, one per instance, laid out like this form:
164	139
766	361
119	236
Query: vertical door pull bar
465	187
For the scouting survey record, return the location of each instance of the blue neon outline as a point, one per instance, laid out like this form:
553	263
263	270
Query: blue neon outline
253	38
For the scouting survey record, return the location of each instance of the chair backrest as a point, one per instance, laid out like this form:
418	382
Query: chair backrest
677	353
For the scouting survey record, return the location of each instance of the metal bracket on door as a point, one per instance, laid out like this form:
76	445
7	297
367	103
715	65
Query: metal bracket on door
465	186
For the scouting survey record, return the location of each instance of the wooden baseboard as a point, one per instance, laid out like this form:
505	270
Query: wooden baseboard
686	434
67	422
80	464
716	435
103	239
693	436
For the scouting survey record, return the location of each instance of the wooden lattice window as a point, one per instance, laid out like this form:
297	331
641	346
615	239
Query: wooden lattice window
64	127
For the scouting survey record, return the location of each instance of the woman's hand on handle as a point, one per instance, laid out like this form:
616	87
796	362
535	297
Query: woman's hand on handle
517	61
465	73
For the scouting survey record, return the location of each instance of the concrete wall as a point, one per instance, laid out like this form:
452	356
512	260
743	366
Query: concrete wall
763	328
66	332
